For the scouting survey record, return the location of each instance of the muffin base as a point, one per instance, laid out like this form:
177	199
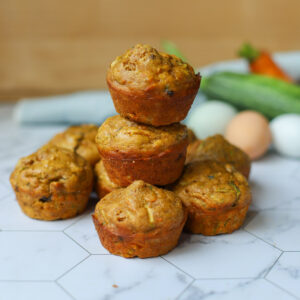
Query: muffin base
142	245
215	223
60	206
160	169
149	108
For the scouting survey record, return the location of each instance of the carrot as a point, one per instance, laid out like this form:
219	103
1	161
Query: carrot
261	62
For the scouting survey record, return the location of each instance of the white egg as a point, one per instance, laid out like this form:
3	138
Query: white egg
286	134
210	118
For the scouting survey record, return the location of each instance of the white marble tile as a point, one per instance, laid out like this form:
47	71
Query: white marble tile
7	165
17	146
85	234
32	291
273	183
236	255
12	218
113	277
279	228
286	272
4	190
231	289
37	255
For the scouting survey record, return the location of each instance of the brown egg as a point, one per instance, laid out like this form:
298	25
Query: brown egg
249	130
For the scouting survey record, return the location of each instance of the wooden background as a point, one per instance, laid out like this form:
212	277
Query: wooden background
58	46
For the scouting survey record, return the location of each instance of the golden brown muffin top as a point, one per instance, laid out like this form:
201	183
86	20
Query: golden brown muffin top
218	148
140	207
122	135
212	186
103	177
145	68
81	140
52	168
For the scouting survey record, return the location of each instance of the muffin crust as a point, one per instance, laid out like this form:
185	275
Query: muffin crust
131	151
52	183
219	149
145	84
216	195
79	139
140	220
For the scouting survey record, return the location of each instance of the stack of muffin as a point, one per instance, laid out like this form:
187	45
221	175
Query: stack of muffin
143	146
150	182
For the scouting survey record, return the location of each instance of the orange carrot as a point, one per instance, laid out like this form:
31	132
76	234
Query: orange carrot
261	62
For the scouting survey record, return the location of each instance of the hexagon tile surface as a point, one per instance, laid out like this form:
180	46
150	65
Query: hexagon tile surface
37	255
84	233
280	228
237	255
64	260
286	272
114	277
246	289
32	291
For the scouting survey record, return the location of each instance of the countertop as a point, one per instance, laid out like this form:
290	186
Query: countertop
65	260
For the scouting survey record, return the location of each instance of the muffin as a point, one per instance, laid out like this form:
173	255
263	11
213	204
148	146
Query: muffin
132	151
218	148
79	139
52	183
140	220
103	183
191	151
217	197
151	87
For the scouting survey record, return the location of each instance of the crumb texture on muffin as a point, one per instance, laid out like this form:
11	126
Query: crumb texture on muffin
217	197
81	140
151	87
211	186
218	148
52	183
140	220
144	67
140	207
120	134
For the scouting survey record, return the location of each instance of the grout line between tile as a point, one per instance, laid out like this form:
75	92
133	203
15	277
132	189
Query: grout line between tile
281	288
263	240
182	292
76	242
178	268
267	273
66	272
65	291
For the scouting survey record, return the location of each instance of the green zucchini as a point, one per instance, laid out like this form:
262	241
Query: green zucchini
270	96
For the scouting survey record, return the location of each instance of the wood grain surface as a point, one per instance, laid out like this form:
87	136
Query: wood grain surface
58	46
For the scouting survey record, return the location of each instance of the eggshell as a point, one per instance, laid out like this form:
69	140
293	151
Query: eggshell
250	131
286	134
210	118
